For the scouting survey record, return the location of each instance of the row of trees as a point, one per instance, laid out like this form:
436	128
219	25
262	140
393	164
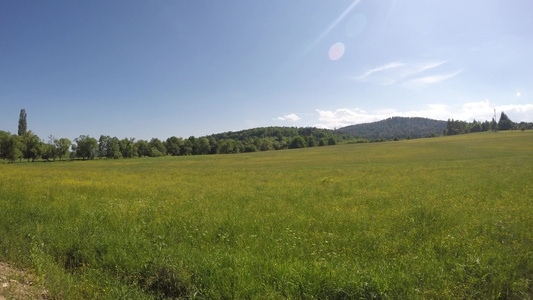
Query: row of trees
460	127
111	147
27	145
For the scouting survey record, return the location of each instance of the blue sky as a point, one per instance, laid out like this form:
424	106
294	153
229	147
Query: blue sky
148	69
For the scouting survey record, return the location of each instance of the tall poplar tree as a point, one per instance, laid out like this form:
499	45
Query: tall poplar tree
23	126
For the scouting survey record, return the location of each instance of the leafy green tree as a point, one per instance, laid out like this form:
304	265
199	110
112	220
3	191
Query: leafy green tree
32	146
311	141
213	145
202	146
239	147
226	146
109	147
250	148
322	142
505	123
229	146
62	146
158	145
86	147
23	125
102	145
48	152
266	144
186	147
332	140
143	148
113	150
297	142
4	136
172	145
127	148
192	142
10	146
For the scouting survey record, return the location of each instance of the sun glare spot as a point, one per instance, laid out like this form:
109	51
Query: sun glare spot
336	51
518	94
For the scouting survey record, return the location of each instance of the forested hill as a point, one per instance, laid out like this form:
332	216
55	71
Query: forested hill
279	133
396	127
282	137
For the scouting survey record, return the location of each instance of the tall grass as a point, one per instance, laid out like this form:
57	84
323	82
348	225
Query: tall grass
433	218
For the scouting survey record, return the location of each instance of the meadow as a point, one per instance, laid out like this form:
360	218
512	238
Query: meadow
439	218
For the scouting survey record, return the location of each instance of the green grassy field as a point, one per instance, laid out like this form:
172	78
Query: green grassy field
444	218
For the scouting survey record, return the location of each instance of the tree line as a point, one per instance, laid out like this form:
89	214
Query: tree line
455	127
27	145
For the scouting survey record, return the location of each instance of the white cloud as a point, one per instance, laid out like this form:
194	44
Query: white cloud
344	117
518	94
423	81
379	69
290	118
517	112
480	111
483	110
399	72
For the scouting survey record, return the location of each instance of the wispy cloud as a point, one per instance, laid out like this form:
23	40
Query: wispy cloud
423	81
478	110
380	69
290	118
403	72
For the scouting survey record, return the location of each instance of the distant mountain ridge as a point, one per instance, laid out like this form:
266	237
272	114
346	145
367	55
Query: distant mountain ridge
396	127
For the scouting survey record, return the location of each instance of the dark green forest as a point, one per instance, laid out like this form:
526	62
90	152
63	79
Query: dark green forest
396	127
28	146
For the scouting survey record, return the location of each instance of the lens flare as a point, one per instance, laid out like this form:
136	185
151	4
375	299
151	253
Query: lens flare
336	51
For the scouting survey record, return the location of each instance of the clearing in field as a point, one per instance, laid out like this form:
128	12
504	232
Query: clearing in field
432	218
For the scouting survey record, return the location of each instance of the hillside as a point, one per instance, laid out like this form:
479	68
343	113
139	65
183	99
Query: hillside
396	127
275	138
278	132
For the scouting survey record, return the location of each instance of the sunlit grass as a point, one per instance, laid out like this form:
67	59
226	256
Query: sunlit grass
433	218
